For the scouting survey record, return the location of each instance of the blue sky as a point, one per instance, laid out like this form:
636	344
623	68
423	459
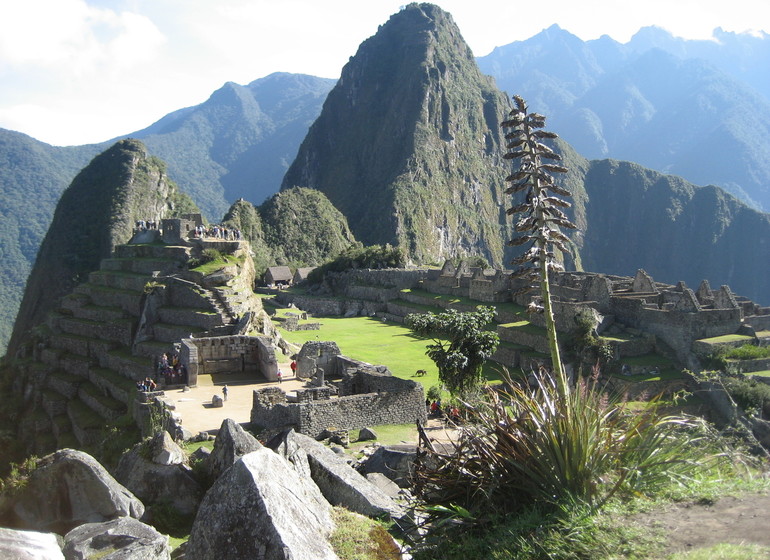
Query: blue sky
79	71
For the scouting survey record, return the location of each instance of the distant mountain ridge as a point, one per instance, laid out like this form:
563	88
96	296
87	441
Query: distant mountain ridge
239	142
678	106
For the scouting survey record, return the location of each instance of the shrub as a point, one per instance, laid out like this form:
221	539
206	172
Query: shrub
749	394
358	256
525	447
748	352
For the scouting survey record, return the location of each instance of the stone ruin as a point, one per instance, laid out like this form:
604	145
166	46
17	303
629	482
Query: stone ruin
669	319
346	394
229	354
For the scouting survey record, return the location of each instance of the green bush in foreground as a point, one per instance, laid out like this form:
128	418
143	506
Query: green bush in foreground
537	446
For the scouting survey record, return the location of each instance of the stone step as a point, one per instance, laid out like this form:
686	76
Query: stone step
153	348
166	332
120	330
76	365
78	345
173	252
129	301
148	266
54	403
86	424
190	316
65	383
105	406
74	300
113	384
131	367
93	312
525	334
121	280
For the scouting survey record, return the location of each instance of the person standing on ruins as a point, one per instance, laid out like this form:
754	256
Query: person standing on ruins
224	392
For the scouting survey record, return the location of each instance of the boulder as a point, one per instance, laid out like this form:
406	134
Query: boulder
165	451
165	478
232	443
340	484
66	489
394	461
29	545
217	402
386	486
261	508
367	434
123	538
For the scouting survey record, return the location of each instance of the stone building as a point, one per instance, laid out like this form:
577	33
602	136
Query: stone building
350	395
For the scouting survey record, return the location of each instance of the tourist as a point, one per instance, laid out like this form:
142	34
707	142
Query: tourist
280	375
293	367
224	392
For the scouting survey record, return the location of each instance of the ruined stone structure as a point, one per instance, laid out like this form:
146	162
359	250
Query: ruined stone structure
81	369
659	318
358	395
229	354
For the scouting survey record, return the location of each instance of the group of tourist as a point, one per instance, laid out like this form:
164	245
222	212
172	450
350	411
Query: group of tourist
435	410
217	232
144	225
174	372
146	386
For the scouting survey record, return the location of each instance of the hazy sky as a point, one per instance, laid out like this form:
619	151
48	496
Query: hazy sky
80	71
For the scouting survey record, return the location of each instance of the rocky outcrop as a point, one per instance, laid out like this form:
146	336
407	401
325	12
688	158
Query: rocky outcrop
163	478
394	461
29	545
123	538
261	508
69	488
339	482
232	443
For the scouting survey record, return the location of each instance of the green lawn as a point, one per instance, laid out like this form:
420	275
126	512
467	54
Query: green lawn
376	342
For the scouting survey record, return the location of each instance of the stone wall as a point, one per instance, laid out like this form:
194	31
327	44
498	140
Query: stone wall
386	400
229	354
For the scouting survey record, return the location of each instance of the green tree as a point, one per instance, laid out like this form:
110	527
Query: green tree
541	214
460	344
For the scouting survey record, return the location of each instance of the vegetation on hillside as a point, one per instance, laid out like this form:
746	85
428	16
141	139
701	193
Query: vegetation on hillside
358	256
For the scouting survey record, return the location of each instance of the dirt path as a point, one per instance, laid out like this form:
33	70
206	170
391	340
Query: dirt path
730	519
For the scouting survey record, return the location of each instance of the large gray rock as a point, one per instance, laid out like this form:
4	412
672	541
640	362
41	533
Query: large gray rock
260	508
69	488
165	478
394	461
340	484
124	538
232	443
29	545
164	450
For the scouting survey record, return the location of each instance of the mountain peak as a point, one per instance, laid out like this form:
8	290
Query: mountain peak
409	102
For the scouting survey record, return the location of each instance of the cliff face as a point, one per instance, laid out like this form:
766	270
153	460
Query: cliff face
674	230
95	213
408	144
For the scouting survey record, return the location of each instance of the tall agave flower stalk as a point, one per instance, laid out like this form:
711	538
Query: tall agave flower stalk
540	213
